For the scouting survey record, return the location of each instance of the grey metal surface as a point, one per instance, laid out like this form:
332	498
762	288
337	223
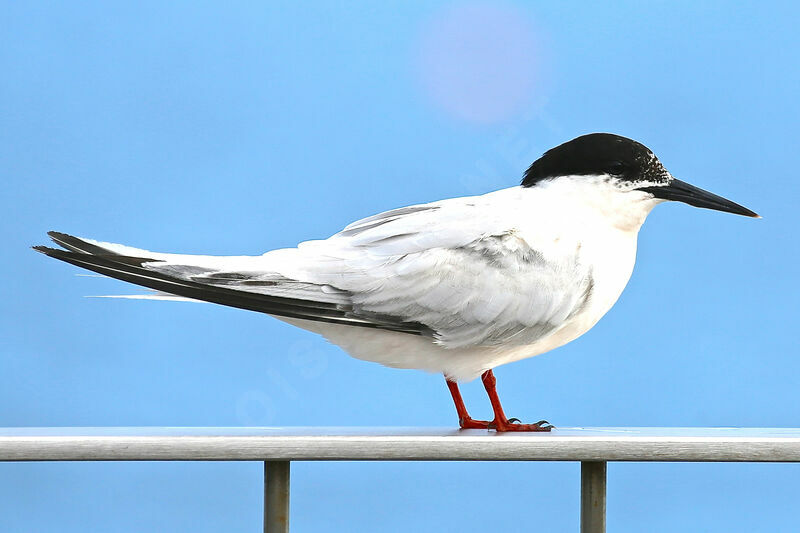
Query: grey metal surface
593	497
261	444
276	496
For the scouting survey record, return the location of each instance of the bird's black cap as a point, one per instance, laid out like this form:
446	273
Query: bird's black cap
595	154
628	162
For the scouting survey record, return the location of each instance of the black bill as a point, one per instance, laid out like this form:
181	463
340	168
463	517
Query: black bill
680	191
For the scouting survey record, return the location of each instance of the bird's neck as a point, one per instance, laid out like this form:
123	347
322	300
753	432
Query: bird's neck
586	200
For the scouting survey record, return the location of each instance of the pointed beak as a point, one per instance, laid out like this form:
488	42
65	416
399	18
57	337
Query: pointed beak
681	191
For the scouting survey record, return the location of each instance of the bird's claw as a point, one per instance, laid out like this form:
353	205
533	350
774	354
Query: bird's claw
542	425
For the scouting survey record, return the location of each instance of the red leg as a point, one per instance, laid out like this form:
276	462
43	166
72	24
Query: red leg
464	420
500	422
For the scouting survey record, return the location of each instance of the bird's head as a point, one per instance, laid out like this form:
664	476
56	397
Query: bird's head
621	165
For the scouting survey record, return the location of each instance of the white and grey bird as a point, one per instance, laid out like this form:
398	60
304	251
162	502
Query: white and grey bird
457	286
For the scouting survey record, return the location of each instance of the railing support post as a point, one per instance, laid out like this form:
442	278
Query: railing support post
276	496
593	497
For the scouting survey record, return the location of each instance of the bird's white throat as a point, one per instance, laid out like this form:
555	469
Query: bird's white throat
597	199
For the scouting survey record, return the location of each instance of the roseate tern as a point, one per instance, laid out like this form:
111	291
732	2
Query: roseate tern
458	286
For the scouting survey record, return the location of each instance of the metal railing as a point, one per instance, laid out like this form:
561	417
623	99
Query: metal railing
277	447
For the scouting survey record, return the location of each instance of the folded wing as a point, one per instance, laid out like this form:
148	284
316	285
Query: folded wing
454	271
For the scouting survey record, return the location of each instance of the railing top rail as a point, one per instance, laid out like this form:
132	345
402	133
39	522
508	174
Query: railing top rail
404	444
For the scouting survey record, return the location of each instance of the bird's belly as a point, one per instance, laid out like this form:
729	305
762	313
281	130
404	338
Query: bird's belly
403	350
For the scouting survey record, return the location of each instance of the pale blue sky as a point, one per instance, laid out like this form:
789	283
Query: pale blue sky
236	128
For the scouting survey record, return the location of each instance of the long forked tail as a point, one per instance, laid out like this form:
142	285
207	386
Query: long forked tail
97	258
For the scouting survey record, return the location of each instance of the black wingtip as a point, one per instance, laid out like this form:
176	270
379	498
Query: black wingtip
61	239
46	250
57	236
76	244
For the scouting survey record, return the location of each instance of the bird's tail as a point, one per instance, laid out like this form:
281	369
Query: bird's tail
201	278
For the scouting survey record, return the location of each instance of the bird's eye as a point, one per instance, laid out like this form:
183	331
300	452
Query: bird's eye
616	168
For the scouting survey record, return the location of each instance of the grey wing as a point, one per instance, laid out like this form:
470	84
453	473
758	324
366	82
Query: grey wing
458	267
453	270
495	290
